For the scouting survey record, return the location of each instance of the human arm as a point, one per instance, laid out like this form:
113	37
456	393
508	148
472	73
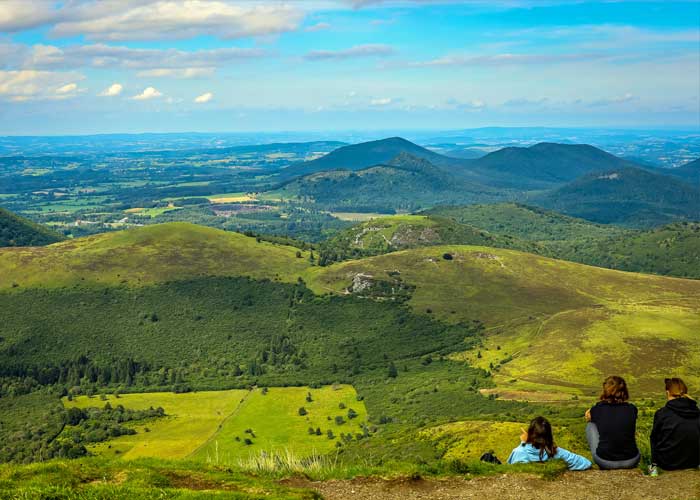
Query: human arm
572	460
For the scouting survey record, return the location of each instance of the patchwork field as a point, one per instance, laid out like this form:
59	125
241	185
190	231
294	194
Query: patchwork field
227	426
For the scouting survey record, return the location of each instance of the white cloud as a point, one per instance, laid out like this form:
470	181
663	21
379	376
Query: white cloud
177	19
148	93
383	101
18	15
370	50
113	90
27	85
68	88
184	73
318	27
206	97
107	56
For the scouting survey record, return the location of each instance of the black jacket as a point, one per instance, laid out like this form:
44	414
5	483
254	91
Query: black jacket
675	437
617	424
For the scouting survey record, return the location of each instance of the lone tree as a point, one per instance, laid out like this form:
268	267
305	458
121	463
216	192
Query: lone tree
302	411
352	414
392	372
309	399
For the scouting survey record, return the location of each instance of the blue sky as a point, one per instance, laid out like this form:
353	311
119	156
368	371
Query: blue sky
84	66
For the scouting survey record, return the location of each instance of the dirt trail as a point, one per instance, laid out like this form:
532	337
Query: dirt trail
590	485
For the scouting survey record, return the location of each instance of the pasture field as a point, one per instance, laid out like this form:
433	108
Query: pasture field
191	419
213	426
277	426
232	198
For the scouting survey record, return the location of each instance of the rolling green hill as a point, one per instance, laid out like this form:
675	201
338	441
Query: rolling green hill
551	324
405	183
543	165
630	196
163	252
16	231
400	232
363	155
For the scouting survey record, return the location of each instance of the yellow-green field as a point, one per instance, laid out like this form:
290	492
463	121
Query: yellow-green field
191	419
275	421
204	425
356	216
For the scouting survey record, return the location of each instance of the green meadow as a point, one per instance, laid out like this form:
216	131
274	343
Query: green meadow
226	427
191	420
276	425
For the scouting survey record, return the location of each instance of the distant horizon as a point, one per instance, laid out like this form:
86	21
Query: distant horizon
387	132
88	67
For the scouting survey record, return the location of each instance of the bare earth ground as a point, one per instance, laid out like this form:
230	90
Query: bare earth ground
590	485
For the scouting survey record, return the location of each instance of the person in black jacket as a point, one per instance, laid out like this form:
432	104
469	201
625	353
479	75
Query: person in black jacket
675	437
611	427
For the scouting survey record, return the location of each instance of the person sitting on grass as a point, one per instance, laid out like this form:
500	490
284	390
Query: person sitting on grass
537	445
675	436
611	427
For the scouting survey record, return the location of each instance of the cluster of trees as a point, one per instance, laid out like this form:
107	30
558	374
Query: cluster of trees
93	425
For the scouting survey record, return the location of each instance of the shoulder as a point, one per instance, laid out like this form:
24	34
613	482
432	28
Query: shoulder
519	454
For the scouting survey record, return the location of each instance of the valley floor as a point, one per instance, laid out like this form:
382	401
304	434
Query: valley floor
589	485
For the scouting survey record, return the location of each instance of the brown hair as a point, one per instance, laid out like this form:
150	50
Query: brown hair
539	435
676	387
614	390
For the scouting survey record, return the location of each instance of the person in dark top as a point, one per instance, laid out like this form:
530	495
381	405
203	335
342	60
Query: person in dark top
611	427
675	436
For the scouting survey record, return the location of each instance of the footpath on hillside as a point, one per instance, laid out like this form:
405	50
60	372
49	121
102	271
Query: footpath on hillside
589	485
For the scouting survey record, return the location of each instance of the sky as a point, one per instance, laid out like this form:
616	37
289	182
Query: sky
117	66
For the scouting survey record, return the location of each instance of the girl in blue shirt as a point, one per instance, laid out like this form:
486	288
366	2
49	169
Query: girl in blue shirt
537	445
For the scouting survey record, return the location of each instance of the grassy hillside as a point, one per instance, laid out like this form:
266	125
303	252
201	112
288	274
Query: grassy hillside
630	196
669	250
600	320
405	183
399	232
16	231
163	252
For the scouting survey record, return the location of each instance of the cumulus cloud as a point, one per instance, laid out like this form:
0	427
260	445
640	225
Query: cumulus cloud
370	50
27	85
18	15
148	93
206	97
177	19
113	90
